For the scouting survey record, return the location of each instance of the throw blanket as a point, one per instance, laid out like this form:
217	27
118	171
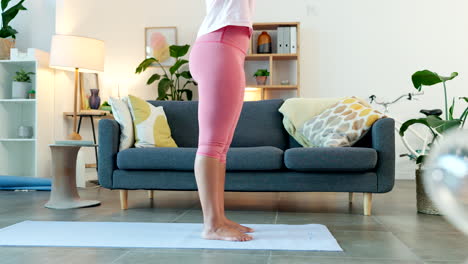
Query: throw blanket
296	111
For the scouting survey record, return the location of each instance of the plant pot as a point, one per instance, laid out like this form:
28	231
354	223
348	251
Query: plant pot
261	80
5	46
20	90
423	201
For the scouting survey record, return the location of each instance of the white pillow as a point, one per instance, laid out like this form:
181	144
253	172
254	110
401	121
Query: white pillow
122	115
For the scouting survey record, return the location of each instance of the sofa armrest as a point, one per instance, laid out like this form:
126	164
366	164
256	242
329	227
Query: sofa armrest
383	140
109	140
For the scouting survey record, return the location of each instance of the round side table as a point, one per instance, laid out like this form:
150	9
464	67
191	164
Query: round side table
64	194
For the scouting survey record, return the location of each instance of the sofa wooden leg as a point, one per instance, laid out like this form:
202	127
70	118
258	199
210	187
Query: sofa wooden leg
151	194
367	203
351	197
124	199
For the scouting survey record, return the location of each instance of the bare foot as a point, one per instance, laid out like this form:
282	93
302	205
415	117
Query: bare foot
225	232
237	226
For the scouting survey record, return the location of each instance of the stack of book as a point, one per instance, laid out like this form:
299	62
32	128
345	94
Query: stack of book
287	40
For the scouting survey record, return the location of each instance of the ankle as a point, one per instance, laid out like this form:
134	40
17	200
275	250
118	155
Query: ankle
213	222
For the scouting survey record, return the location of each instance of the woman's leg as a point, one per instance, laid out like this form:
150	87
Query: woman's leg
222	165
216	114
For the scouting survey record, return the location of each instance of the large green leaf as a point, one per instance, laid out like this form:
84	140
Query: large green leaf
464	98
5	4
153	78
442	125
429	78
7	32
178	51
177	65
411	122
10	14
186	74
164	85
448	78
452	107
187	92
145	64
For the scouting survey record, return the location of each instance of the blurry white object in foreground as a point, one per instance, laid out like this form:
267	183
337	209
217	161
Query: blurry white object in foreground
446	177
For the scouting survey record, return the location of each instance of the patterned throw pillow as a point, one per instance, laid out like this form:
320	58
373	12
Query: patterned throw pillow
341	125
122	115
150	123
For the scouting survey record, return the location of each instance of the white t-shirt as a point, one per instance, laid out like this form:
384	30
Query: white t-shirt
221	13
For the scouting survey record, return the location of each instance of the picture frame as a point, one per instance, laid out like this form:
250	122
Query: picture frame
157	42
88	81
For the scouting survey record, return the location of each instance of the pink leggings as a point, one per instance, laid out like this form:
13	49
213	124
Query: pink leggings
216	62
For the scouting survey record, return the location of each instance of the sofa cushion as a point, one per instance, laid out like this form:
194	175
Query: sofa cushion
167	158
330	159
260	123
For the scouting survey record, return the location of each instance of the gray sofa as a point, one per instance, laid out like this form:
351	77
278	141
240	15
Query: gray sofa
262	158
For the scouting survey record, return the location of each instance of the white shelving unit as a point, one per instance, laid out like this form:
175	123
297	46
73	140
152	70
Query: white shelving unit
18	156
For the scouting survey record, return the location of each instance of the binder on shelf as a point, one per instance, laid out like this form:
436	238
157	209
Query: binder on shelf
280	41
293	40
286	40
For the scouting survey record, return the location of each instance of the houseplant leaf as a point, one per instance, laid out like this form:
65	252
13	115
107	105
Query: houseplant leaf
145	64
153	78
452	107
429	78
411	122
163	86
442	125
178	51
188	92
10	14
5	4
451	77
177	65
186	74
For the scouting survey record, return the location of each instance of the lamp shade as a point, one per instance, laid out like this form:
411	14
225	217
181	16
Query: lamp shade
72	52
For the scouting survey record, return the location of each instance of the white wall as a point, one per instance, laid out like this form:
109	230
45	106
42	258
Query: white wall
36	25
357	47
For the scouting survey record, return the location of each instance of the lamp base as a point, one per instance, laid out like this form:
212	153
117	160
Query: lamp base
74	136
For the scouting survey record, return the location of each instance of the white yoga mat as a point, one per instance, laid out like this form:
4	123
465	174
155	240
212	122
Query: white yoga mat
311	237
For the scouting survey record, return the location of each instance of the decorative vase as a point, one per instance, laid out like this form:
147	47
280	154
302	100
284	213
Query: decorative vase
5	46
25	132
94	100
423	201
261	80
264	43
19	90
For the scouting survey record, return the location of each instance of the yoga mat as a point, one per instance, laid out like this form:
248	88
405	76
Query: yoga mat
24	183
310	237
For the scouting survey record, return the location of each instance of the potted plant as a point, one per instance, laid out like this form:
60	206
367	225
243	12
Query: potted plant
437	127
261	76
7	33
21	84
106	107
32	94
171	84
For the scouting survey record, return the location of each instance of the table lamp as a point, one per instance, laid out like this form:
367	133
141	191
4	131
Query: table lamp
78	54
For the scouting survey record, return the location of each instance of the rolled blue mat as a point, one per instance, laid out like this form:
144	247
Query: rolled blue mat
24	183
